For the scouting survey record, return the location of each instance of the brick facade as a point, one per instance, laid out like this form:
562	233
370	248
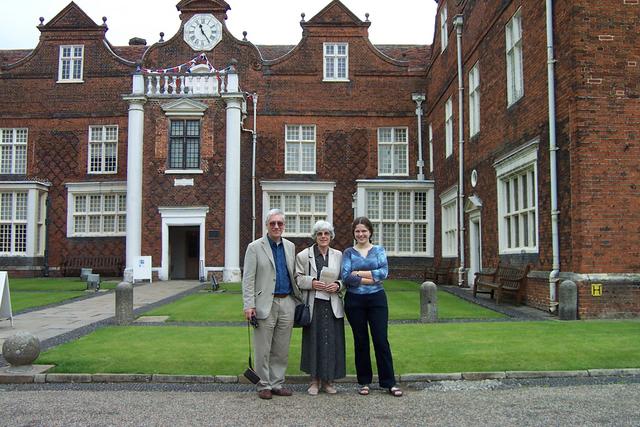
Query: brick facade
597	116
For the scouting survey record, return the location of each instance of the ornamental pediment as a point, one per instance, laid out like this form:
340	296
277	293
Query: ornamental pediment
335	14
184	107
71	17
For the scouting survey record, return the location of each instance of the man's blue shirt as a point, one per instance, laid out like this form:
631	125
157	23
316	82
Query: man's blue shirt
283	282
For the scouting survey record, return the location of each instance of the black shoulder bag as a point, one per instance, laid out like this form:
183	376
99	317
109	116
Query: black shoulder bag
302	315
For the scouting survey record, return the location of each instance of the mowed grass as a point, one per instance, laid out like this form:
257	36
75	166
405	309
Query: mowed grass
417	348
27	293
403	297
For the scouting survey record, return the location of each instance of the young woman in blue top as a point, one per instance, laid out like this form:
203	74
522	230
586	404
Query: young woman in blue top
364	267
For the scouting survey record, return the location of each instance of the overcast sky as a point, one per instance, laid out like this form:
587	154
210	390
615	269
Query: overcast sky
266	21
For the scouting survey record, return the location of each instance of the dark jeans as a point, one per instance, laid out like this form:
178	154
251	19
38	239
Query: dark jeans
364	313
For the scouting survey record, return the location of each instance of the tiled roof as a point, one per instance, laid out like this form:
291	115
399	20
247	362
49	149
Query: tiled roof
10	56
418	55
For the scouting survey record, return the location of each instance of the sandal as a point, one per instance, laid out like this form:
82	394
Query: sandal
395	391
363	390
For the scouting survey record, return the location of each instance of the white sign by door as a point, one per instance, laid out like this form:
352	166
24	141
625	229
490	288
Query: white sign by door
142	269
5	298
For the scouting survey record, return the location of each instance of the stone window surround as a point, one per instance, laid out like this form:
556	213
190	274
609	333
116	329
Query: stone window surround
521	159
296	187
36	213
449	222
86	188
397	186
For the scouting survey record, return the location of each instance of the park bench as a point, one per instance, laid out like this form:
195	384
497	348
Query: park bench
439	273
105	265
502	279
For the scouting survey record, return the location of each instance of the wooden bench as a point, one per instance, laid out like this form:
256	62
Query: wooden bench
504	278
439	274
106	265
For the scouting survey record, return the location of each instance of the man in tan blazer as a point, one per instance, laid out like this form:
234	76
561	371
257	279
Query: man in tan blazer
270	294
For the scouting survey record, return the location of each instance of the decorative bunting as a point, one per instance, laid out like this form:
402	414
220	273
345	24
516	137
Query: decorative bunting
182	68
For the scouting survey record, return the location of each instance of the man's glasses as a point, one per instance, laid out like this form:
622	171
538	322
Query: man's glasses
278	223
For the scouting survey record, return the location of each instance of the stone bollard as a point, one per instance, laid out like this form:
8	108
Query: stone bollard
84	272
428	302
21	349
568	299
124	303
93	282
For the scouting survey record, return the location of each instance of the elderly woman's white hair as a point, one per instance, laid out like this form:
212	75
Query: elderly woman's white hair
322	225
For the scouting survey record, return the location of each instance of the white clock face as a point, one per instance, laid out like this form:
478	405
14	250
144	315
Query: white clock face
202	31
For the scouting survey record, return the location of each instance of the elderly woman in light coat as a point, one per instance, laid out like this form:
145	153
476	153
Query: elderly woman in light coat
323	348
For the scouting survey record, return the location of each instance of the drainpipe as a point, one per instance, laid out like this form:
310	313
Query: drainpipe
457	22
553	167
254	135
419	98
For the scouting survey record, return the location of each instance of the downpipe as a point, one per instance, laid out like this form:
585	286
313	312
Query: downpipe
457	22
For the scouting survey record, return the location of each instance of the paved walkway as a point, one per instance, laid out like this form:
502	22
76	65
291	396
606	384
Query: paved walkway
50	323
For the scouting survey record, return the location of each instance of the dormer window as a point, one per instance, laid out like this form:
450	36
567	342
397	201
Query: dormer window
336	62
70	64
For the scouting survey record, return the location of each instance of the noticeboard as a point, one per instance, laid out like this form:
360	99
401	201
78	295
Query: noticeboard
142	269
5	298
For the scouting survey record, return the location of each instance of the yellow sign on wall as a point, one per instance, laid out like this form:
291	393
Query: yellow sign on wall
596	289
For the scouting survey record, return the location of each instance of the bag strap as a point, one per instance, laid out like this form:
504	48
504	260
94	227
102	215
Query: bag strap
249	334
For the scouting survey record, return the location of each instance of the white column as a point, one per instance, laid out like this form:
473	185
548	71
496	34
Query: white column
233	98
135	138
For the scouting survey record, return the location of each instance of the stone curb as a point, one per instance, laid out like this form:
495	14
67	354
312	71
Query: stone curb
12	378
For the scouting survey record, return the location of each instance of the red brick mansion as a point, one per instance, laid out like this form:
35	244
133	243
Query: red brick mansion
513	137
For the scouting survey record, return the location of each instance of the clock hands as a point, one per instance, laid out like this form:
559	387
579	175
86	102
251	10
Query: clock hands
204	34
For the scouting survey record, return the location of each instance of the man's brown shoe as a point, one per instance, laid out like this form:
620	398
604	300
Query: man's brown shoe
265	394
281	391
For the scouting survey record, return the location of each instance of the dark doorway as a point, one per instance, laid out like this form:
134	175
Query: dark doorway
184	252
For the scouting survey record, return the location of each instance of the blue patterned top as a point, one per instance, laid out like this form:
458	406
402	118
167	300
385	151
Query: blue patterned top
375	261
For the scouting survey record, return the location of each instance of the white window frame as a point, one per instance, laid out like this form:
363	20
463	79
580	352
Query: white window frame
474	100
515	76
101	190
518	215
449	222
13	219
67	64
296	189
99	148
332	61
34	221
396	220
448	127
397	159
13	151
444	34
430	147
295	150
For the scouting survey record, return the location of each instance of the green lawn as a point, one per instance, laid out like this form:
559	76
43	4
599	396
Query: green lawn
403	297
22	300
37	292
417	348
